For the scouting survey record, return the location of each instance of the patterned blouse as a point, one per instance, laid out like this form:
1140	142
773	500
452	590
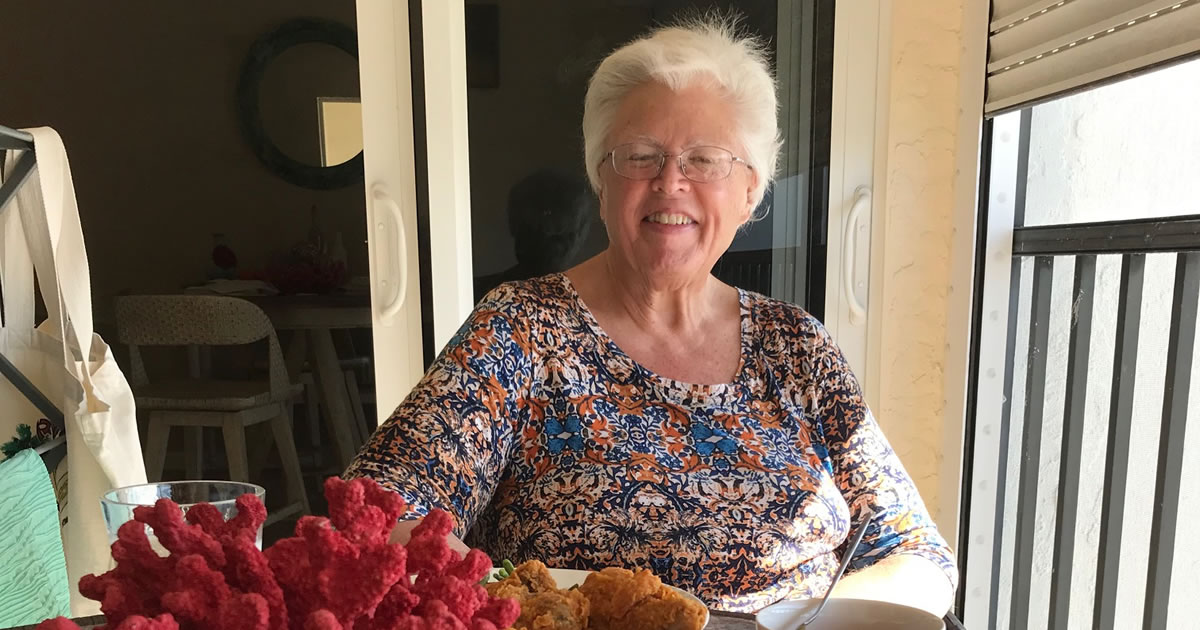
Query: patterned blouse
546	441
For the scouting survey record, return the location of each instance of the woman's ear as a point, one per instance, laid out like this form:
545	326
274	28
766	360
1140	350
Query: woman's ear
750	205
600	203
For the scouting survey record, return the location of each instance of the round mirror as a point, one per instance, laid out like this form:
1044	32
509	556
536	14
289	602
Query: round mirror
298	101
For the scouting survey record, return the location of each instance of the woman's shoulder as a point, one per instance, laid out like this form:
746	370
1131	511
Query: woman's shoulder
524	316
774	317
528	295
789	337
533	303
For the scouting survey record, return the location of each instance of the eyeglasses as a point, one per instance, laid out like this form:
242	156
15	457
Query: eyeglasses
639	160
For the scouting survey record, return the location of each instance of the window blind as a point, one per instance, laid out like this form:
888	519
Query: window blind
1043	48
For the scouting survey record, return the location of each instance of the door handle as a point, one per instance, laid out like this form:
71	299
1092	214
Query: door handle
397	269
862	202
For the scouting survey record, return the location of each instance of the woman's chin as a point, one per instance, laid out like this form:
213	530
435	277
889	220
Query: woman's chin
672	268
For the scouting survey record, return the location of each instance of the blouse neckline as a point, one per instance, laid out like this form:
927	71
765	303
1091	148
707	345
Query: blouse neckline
681	389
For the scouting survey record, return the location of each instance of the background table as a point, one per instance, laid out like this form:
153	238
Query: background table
312	319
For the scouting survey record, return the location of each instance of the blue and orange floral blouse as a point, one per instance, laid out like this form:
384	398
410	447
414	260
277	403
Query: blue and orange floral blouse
546	441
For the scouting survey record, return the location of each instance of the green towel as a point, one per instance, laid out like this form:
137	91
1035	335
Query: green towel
33	570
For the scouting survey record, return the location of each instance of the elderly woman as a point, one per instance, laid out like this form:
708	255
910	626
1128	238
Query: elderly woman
636	411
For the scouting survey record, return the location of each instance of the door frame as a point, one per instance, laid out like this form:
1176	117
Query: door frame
857	184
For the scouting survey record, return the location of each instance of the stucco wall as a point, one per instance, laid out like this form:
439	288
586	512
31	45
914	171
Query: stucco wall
922	134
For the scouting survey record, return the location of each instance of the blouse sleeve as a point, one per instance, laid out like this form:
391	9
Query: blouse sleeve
447	445
868	472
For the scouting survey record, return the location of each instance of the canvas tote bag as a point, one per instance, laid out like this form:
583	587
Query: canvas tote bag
40	234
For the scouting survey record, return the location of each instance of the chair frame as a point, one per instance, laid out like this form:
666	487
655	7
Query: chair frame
198	321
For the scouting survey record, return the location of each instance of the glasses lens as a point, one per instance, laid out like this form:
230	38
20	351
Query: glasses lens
637	161
707	164
645	161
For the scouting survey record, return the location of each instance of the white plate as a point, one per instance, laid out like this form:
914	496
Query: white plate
846	614
566	578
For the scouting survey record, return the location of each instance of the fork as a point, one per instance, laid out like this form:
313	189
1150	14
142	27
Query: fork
858	536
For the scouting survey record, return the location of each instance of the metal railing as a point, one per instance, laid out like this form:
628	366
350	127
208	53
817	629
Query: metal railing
1132	241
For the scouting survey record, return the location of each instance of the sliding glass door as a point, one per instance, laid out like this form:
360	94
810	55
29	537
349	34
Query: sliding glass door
528	64
474	157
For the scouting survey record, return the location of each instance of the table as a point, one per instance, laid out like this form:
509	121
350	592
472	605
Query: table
313	318
84	622
716	621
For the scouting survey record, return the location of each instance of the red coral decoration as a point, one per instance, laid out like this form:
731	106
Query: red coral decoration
336	573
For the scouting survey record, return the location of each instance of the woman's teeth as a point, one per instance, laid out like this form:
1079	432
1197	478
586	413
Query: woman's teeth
669	219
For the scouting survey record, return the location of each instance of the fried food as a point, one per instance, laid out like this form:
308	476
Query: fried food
544	606
554	610
528	578
624	600
611	599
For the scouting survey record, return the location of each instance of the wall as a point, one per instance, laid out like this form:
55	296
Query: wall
921	153
143	94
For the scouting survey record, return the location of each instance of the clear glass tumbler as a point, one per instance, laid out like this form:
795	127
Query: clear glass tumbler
118	504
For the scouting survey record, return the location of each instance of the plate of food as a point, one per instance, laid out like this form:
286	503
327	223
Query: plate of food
609	599
845	614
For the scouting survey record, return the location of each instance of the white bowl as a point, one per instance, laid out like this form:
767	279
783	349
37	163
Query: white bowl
845	614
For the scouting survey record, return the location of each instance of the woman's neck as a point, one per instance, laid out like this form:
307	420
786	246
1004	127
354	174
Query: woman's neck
654	304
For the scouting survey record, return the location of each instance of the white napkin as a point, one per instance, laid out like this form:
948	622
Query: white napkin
234	287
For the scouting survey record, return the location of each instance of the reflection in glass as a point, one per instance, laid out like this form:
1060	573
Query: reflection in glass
548	216
340	129
291	83
528	118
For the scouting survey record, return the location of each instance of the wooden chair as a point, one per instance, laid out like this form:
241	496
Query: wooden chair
201	401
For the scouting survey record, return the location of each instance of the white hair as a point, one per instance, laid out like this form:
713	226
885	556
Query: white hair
706	48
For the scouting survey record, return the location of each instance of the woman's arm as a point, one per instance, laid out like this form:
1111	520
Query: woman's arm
903	579
902	558
403	531
447	445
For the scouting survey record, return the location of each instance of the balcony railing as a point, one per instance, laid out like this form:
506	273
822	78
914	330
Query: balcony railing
1059	537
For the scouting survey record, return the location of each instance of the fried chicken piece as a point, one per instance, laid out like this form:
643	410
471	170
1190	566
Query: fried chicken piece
614	592
554	610
624	600
528	578
508	590
543	605
668	610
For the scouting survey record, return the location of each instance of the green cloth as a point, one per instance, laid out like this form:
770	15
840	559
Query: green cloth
33	570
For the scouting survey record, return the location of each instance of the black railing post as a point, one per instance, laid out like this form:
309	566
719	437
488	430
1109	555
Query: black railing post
1074	414
1180	347
1120	428
1031	438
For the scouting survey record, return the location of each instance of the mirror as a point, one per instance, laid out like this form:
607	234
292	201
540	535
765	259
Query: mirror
298	102
339	125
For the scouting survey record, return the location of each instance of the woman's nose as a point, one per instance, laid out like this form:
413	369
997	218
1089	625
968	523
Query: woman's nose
671	177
